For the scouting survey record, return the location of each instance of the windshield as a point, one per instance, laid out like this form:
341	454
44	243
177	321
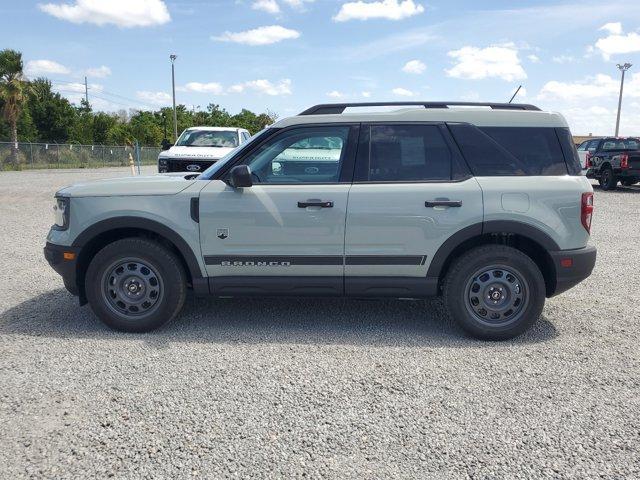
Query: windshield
211	171
208	138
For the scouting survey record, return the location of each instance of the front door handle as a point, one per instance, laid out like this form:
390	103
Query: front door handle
315	203
443	203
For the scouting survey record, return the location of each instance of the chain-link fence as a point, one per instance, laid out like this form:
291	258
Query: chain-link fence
29	156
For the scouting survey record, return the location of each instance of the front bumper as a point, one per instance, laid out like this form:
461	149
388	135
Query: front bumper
64	264
572	267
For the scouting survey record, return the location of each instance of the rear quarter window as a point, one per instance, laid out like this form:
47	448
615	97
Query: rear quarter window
511	151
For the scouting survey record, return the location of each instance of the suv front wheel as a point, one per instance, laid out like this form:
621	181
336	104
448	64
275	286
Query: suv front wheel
135	285
494	292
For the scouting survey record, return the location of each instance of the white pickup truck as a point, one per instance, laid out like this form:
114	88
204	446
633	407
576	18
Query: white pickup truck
198	148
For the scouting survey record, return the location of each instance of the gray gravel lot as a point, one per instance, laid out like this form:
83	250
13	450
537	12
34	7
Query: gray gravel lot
314	387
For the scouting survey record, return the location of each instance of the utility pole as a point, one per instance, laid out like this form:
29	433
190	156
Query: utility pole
623	68
173	88
86	91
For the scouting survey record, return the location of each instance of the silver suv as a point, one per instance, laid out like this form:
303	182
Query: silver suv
482	204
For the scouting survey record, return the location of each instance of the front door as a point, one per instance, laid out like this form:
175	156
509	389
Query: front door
284	234
411	192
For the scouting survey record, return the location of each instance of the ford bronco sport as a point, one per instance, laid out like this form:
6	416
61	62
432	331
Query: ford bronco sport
484	206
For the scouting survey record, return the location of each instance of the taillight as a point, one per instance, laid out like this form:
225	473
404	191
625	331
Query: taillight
586	210
587	161
624	161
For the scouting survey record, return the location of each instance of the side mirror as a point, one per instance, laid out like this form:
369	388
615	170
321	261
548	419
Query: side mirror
240	176
166	145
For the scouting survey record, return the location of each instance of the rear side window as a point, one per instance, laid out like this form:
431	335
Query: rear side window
572	159
510	151
408	153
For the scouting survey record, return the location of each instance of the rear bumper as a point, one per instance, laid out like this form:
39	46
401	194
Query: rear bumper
66	268
621	173
572	267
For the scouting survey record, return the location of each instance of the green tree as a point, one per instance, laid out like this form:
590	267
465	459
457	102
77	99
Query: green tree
12	92
53	116
102	124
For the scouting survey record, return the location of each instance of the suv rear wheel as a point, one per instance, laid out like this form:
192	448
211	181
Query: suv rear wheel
494	292
135	285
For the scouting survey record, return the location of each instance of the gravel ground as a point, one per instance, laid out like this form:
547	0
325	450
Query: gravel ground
314	388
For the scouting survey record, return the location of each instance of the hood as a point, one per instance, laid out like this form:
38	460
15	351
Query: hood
196	153
130	186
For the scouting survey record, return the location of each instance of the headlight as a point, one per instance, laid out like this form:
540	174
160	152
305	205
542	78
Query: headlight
61	213
162	162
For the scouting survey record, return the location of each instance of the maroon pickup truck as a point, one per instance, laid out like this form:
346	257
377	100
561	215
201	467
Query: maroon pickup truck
615	160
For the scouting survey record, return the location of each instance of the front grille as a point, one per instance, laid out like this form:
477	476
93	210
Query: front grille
188	165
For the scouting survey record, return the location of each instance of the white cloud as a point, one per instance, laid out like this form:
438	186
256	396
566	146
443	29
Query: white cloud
387	9
414	66
74	92
98	72
614	28
259	36
77	87
616	42
335	94
533	58
366	94
154	98
43	67
402	92
563	59
269	6
297	3
598	86
123	13
211	87
499	61
283	87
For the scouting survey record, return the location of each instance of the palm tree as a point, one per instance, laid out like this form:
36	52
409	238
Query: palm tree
12	92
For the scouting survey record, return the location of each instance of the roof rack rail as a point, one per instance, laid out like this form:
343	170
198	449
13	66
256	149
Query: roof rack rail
332	108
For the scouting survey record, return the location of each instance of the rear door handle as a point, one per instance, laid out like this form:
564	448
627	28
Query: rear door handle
315	203
443	203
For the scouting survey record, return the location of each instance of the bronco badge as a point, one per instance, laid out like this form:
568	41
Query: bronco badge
222	233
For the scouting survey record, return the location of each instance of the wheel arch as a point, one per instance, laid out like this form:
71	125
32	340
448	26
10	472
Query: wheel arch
529	239
100	234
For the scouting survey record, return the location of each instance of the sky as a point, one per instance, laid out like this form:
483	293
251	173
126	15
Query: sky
286	55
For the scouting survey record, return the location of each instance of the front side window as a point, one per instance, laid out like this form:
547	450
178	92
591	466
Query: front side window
208	138
300	155
408	153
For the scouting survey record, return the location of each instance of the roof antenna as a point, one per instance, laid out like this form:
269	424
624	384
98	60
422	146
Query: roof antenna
516	93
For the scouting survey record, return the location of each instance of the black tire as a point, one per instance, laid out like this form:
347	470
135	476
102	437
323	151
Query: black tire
135	285
608	180
525	296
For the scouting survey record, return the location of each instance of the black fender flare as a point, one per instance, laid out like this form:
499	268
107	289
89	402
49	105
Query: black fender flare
493	226
140	223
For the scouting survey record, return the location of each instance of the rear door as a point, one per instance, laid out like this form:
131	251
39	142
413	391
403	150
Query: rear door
411	193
